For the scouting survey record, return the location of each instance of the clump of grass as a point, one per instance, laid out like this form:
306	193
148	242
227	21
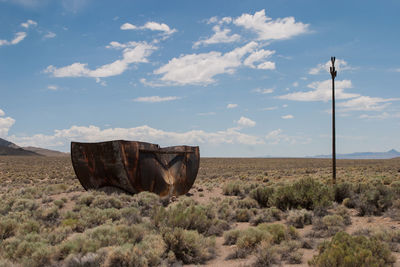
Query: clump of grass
347	250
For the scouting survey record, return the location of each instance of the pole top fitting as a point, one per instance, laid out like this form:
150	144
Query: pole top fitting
332	69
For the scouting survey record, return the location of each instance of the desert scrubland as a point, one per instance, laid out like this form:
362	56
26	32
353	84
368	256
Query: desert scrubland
239	212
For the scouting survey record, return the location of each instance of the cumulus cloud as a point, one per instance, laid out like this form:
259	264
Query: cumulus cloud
366	103
140	133
219	36
19	36
287	117
133	52
322	91
246	122
5	124
201	68
151	25
232	106
268	29
155	99
259	56
340	65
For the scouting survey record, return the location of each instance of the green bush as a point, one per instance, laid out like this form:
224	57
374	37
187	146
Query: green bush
347	250
306	193
373	200
187	216
189	246
263	195
343	191
101	236
147	202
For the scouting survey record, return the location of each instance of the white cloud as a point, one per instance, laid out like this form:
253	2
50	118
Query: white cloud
219	36
258	56
29	23
287	117
155	99
232	106
382	116
19	36
201	68
151	25
295	84
2	113
128	26
269	108
5	125
140	133
322	91
264	91
277	136
366	103
269	29
133	52
206	113
340	65
50	35
246	122
53	87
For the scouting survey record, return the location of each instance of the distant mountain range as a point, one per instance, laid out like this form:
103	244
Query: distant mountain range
365	155
10	149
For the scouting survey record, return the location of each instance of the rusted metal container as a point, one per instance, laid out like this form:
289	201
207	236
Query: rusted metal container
136	166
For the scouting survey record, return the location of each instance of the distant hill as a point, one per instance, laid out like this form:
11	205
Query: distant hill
365	155
46	152
10	149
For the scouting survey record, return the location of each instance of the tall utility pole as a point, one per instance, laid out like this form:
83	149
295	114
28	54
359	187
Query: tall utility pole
333	74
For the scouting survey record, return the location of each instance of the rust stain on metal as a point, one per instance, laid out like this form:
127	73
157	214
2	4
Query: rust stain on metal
136	166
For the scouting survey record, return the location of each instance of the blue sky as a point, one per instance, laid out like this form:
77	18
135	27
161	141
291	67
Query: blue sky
237	78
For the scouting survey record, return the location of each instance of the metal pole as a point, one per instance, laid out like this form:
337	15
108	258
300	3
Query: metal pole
333	74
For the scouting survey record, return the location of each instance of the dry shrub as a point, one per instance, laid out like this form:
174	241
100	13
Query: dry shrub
232	188
347	250
306	193
263	195
189	246
299	218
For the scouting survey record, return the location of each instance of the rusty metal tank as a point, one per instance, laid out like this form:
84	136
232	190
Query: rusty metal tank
136	166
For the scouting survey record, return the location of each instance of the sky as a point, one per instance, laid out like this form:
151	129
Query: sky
237	78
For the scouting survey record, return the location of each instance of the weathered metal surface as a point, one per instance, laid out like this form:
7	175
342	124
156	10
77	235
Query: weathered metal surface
136	166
